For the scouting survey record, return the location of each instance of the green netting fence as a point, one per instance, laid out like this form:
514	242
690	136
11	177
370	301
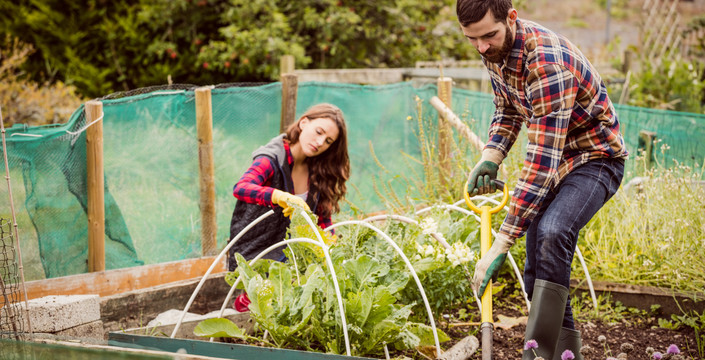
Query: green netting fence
152	171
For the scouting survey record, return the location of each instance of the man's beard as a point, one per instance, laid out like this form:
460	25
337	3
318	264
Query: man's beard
497	56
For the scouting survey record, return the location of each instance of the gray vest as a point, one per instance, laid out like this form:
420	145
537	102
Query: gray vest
272	229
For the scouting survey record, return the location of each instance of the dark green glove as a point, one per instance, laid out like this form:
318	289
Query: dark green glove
481	176
487	268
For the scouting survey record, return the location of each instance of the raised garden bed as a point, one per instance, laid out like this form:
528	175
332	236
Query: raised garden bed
215	349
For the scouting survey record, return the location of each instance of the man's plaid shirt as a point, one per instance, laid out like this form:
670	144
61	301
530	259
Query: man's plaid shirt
549	85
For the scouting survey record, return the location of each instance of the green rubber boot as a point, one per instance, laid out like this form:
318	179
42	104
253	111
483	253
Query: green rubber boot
545	319
569	340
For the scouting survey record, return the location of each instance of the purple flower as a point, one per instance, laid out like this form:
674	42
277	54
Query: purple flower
531	344
673	349
567	355
657	356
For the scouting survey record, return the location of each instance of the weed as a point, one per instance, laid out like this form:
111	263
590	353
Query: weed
691	319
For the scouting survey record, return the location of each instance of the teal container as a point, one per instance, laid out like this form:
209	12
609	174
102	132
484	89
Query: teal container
216	349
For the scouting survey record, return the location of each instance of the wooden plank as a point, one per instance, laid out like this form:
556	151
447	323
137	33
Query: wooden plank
95	181
111	282
206	167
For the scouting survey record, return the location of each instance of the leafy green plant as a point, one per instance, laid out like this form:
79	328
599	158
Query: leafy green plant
694	320
674	84
295	302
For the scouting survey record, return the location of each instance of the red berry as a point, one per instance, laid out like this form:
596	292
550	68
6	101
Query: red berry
205	65
173	55
227	64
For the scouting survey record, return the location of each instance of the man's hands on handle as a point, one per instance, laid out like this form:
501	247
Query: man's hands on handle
284	199
488	267
480	180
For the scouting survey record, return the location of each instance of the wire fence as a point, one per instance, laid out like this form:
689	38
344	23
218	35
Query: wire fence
11	320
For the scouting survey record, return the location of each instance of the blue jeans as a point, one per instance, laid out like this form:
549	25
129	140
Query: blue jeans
553	235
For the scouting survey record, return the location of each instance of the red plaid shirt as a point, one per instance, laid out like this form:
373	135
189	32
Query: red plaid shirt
254	186
549	85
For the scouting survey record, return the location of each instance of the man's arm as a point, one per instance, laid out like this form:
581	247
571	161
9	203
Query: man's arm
504	128
553	90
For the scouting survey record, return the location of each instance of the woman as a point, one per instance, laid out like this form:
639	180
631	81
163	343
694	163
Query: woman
307	166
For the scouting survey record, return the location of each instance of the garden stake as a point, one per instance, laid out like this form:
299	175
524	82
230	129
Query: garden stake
486	212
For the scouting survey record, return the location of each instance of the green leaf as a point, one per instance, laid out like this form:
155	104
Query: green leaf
365	271
280	277
425	334
218	328
358	307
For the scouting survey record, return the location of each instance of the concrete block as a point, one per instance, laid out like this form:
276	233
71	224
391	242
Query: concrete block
52	314
92	330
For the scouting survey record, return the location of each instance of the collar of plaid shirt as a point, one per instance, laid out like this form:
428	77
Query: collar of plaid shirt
514	60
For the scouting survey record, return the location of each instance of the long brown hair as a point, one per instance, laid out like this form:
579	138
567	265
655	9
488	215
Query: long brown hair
328	171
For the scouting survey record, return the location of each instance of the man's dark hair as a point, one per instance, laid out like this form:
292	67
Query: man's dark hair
472	11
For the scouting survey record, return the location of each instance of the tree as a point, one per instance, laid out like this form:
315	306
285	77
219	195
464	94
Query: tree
102	46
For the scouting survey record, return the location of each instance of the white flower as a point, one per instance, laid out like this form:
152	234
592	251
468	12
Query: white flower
429	250
459	253
671	69
428	225
648	263
419	248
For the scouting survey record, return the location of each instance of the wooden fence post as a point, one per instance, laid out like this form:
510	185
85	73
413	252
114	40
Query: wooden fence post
286	65
204	123
445	93
290	85
646	142
96	189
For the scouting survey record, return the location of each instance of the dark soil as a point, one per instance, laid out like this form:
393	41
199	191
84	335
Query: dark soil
635	328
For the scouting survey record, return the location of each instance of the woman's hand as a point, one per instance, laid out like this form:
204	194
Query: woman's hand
285	200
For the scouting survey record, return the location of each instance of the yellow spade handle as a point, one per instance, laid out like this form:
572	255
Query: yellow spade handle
495	209
486	242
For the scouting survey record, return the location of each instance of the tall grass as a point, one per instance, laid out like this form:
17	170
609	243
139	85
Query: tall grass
651	233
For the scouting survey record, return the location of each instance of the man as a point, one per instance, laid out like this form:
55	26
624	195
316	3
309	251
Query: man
573	165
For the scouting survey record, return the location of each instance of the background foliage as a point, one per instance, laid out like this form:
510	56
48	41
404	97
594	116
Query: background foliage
25	101
102	46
